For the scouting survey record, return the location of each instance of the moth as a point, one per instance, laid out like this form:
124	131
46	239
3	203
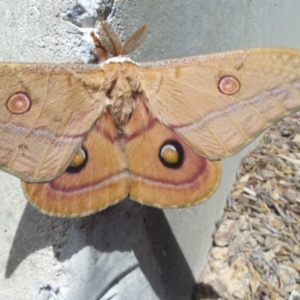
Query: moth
82	137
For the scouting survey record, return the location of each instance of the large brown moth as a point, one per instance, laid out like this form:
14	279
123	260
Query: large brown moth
84	137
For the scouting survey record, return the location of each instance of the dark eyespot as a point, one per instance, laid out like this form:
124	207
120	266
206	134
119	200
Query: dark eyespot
18	103
79	161
171	154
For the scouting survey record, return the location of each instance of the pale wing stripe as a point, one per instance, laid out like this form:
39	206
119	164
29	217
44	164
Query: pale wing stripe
217	113
258	113
115	178
43	133
295	90
228	116
222	145
279	92
159	184
40	133
217	139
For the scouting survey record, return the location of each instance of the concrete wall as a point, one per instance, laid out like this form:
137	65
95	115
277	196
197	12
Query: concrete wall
128	251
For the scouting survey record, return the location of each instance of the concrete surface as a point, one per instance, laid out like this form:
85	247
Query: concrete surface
128	251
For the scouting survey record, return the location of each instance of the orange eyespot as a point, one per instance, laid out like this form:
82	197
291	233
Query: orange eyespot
229	85
171	154
78	162
18	103
78	159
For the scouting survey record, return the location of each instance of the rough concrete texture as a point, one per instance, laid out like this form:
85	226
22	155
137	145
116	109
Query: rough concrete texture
128	251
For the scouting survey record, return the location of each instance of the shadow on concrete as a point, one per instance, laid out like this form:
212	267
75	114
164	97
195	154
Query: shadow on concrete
125	227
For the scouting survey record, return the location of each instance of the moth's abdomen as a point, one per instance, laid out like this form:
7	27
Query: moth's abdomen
122	107
122	92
